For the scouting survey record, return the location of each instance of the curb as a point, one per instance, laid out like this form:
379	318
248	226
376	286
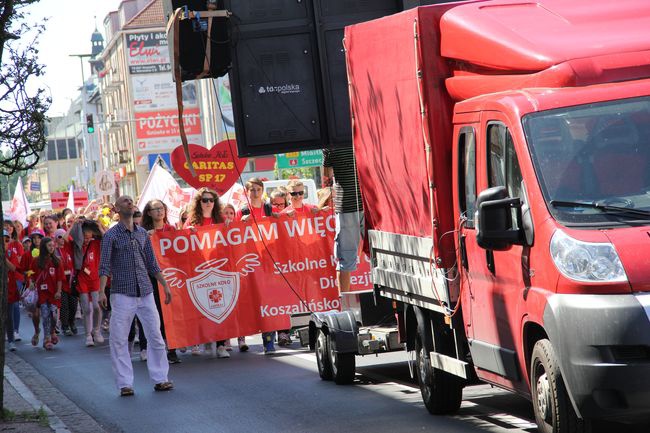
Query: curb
64	416
54	421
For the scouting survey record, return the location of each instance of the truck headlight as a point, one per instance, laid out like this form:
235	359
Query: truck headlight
586	261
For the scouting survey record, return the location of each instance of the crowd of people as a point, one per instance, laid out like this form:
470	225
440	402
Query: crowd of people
57	258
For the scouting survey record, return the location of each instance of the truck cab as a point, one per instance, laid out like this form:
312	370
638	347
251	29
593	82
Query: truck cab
519	133
557	180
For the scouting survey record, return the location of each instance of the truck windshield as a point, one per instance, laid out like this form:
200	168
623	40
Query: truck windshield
592	159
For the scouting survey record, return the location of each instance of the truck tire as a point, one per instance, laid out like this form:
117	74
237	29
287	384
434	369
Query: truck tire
441	392
323	357
343	365
552	406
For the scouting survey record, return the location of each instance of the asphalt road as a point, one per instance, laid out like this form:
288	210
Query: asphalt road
280	393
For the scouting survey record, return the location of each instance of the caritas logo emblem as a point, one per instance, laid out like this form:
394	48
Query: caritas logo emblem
214	292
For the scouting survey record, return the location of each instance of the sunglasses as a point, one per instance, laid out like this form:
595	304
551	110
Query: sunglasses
297	193
279	204
59	237
207	200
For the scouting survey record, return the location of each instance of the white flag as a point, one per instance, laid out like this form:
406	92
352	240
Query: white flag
19	205
235	196
70	204
162	186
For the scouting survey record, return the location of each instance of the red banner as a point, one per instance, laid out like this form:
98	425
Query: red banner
230	281
60	199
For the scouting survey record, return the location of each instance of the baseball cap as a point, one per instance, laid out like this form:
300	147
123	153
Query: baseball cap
37	232
26	238
59	232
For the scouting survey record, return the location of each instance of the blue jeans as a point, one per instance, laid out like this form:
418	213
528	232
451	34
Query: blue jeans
9	326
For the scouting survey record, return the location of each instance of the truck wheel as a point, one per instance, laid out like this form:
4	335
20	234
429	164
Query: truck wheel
343	365
322	356
441	392
553	410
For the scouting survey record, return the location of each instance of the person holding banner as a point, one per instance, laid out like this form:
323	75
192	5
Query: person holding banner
205	210
154	219
127	257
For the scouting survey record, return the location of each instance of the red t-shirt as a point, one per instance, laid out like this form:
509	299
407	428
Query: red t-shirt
46	281
255	212
17	249
12	276
26	262
65	254
88	277
167	228
305	209
206	222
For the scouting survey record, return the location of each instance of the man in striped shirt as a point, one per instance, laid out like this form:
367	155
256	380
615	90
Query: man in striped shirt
340	165
127	258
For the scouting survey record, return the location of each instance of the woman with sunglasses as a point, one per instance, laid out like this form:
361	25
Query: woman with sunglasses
154	219
205	210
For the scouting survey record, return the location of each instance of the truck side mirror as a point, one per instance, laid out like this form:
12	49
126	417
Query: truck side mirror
494	220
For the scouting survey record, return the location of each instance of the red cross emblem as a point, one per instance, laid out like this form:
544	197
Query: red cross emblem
216	296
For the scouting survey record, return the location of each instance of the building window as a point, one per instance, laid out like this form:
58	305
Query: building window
61	149
72	148
51	150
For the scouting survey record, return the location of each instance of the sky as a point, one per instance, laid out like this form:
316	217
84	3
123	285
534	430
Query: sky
68	31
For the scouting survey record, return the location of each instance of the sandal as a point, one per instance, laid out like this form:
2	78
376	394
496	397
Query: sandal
55	339
35	339
47	345
127	391
163	386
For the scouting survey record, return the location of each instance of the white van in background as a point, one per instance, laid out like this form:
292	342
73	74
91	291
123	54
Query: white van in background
311	197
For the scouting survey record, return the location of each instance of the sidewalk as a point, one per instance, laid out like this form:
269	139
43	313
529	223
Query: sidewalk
26	391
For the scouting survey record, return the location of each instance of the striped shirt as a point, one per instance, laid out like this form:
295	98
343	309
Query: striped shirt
347	195
127	257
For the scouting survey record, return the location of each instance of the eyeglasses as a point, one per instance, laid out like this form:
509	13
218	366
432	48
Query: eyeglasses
156	209
207	200
297	193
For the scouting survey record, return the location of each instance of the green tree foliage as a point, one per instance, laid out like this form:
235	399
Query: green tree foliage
22	114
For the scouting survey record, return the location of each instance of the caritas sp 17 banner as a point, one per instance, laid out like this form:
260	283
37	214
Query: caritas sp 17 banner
245	278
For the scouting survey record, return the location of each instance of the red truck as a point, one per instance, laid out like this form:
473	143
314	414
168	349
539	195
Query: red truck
503	151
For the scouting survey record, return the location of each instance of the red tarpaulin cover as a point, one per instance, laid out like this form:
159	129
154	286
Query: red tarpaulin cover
388	131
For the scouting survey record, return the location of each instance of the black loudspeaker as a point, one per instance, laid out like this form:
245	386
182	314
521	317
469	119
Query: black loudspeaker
331	17
193	43
288	81
276	87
